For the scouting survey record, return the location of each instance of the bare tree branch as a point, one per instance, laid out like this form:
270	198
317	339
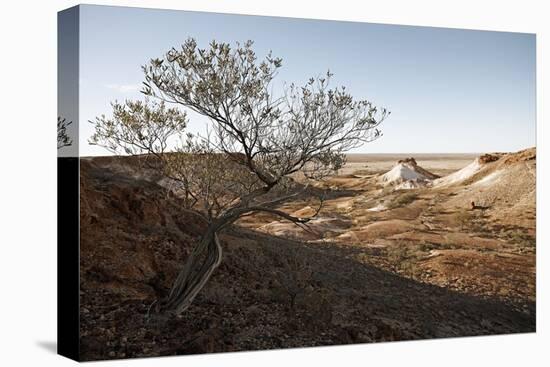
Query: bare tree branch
63	139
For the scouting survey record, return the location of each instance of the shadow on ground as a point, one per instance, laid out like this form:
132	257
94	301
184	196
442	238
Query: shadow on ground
49	346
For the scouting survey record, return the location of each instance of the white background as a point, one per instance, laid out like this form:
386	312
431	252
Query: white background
28	182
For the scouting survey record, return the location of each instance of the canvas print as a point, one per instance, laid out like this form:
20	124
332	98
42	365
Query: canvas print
239	183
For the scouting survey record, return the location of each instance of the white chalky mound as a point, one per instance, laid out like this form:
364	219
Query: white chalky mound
467	172
407	174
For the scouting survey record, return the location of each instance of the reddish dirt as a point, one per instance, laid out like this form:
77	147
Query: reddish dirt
135	237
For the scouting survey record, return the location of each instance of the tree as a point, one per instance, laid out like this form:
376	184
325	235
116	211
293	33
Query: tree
257	140
63	140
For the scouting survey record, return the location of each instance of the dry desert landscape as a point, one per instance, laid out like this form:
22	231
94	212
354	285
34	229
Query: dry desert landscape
405	247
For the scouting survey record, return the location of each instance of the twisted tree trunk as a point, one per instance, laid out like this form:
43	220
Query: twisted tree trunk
205	258
198	268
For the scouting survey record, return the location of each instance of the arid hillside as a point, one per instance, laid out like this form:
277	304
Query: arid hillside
380	262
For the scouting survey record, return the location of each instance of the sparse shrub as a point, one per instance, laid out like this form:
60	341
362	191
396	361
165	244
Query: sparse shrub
521	239
402	200
463	218
406	257
448	246
295	276
364	172
427	247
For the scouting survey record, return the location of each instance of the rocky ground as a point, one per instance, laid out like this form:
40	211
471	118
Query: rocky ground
378	265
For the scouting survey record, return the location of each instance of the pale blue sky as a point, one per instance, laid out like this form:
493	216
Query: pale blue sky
448	90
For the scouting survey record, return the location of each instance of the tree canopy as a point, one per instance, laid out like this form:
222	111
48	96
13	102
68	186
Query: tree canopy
256	141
